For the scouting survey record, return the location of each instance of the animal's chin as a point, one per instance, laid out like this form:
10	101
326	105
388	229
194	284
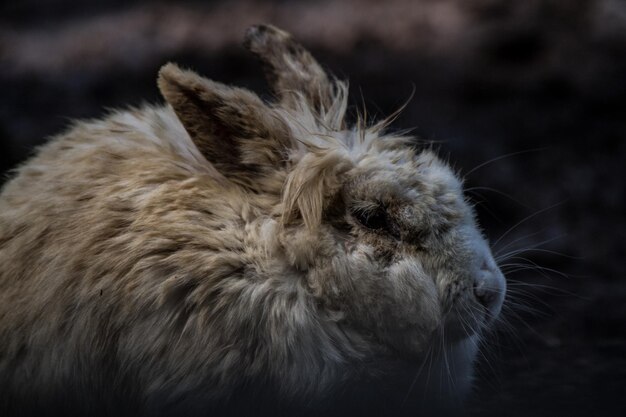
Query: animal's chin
415	349
455	334
453	331
458	328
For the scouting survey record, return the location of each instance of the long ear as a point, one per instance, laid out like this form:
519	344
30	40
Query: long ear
290	69
232	127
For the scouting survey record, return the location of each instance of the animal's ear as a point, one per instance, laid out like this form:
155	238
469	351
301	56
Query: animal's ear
234	130
290	69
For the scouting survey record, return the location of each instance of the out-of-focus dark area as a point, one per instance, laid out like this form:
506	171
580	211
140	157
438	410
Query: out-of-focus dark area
525	98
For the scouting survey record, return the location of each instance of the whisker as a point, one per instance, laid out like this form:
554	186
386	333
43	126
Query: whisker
485	207
553	252
547	289
518	239
430	366
506	256
483	353
501	157
449	376
493	190
510	330
535	248
524	323
513	267
528	309
525	219
541	269
419	371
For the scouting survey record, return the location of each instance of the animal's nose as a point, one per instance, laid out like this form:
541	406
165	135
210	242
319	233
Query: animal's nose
489	287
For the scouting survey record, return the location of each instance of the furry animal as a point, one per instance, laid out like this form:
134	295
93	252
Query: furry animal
222	255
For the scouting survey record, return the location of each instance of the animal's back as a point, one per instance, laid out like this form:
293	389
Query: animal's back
90	230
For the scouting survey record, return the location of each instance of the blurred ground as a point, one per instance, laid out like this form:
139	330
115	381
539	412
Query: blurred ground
541	81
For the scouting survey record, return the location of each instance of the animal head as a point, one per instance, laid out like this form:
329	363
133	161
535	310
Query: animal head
377	229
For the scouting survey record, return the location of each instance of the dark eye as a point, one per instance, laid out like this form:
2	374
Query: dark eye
374	219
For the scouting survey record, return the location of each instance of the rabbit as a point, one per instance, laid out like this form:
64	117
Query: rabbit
223	255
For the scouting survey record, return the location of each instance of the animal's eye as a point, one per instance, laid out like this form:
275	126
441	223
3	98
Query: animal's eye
375	219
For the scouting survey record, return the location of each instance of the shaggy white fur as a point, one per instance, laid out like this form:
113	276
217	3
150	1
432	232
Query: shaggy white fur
164	259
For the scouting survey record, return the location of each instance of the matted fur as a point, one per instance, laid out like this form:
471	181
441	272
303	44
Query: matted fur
162	259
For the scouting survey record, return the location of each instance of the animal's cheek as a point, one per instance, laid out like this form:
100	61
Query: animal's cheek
343	277
404	310
415	293
397	304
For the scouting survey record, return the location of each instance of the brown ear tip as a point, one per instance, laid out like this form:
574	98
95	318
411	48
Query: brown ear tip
169	71
170	79
252	37
257	37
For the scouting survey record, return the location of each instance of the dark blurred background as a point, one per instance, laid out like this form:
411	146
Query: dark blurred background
526	98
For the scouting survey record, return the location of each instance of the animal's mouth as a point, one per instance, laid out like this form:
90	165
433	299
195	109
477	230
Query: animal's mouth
456	328
470	316
479	308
